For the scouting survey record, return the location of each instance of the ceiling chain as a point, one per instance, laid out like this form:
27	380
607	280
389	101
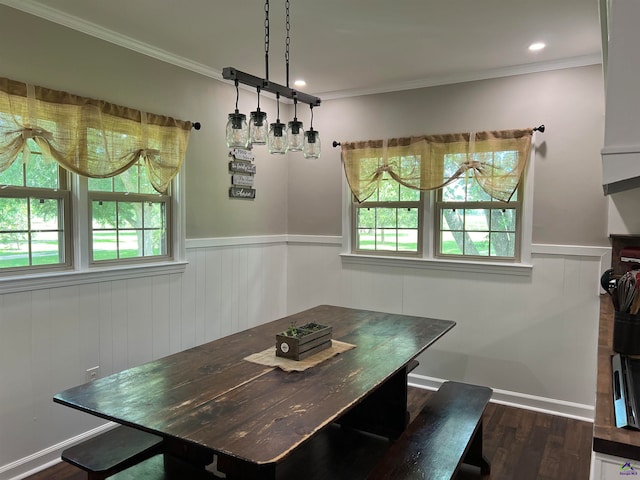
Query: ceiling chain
266	38
288	40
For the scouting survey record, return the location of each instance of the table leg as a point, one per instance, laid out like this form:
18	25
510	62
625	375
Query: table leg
384	411
236	469
180	457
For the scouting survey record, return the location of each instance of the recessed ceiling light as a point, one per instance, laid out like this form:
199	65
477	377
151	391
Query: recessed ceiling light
300	83
534	47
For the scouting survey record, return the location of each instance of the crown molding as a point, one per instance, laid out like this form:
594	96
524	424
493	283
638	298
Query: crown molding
49	13
75	23
579	61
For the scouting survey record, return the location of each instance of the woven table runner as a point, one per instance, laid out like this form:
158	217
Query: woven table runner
268	357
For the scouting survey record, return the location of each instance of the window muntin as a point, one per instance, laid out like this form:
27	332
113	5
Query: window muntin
389	221
34	214
128	219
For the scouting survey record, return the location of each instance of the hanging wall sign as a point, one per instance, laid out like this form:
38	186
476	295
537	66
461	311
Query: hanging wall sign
242	192
240	166
240	154
242	170
242	180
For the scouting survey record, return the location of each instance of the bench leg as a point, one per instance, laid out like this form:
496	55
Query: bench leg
474	455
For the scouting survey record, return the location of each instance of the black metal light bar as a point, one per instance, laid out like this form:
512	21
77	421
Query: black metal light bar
230	73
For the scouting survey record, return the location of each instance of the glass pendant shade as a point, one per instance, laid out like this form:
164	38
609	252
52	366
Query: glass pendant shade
258	128
295	132
311	147
237	130
277	138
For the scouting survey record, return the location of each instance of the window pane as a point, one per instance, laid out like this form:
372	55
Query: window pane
15	250
41	173
503	244
154	242
389	190
104	214
46	248
409	194
44	214
366	240
153	215
476	219
366	218
503	220
476	243
105	245
129	215
145	184
452	163
455	191
14	214
451	243
408	218
386	217
101	184
475	193
119	184
14	175
408	240
452	219
386	239
128	244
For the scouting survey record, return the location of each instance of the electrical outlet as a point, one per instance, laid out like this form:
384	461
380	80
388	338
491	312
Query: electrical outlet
92	373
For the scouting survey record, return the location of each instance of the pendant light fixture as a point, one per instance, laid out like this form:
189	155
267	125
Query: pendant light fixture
258	126
237	128
311	147
281	137
277	133
295	130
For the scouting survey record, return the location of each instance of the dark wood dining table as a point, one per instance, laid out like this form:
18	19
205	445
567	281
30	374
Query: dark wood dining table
209	402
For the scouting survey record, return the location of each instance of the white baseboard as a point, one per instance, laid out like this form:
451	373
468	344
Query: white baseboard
46	458
576	411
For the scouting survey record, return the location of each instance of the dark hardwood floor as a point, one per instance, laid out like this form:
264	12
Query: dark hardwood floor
520	444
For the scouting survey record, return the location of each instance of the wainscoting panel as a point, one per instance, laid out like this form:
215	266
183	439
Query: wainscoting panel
49	337
531	336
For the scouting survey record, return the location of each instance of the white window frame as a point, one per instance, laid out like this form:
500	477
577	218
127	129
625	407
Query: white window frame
428	260
82	271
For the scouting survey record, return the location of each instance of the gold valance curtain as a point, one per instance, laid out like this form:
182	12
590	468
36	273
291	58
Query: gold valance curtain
90	137
428	162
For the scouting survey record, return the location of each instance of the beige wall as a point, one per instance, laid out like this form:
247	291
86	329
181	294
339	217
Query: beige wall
569	205
40	52
299	196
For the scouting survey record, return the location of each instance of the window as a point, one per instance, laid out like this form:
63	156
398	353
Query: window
34	213
390	220
456	196
85	183
128	218
469	223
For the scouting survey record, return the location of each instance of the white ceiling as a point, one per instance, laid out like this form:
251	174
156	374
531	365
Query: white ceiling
344	47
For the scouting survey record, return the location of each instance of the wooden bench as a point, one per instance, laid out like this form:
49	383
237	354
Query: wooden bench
113	451
446	433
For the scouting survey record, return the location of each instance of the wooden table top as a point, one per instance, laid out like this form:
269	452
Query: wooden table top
607	438
209	396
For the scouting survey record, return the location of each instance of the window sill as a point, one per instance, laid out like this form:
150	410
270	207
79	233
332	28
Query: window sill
76	277
519	269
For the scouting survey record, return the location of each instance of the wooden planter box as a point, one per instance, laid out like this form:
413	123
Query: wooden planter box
311	338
